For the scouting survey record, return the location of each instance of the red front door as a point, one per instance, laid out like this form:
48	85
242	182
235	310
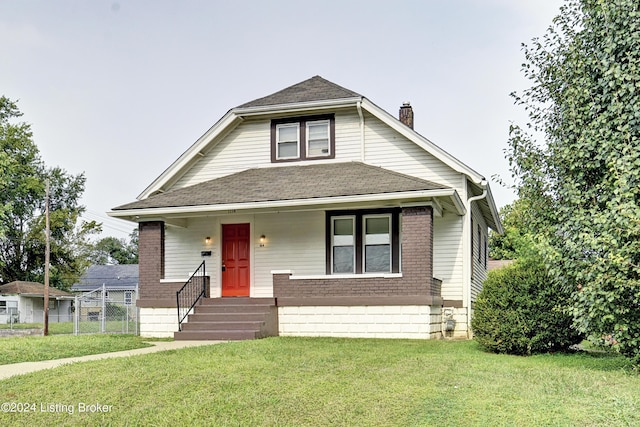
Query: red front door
235	260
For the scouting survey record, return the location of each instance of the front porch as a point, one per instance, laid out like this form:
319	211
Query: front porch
403	303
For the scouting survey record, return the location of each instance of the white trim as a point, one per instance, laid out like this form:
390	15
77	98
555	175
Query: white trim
308	138
279	126
346	276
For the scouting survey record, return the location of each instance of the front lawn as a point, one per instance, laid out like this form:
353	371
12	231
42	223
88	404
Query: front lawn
323	381
35	348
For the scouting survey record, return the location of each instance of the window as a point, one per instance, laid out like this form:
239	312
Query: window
287	141
343	245
479	244
303	138
128	297
363	242
318	139
377	244
3	307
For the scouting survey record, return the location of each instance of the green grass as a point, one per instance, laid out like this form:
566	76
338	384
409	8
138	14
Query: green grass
338	382
35	348
86	327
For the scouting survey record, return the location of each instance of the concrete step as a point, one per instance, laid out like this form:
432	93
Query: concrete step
231	319
232	308
225	317
222	326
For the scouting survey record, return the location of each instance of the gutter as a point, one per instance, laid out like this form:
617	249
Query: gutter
359	107
470	200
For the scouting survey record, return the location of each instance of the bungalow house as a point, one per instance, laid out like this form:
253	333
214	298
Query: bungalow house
23	302
316	213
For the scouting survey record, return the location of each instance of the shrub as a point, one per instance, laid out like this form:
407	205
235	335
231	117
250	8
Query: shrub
521	311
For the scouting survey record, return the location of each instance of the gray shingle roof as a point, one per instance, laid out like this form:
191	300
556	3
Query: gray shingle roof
288	183
121	276
314	89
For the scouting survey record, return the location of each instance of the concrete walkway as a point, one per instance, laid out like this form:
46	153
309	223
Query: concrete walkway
7	371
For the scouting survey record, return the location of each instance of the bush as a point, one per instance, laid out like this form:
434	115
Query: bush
521	311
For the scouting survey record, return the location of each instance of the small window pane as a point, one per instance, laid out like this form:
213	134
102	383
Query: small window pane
343	259
343	226
318	130
288	133
377	225
377	258
318	148
287	149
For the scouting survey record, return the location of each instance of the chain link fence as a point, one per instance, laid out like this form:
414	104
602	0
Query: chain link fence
107	312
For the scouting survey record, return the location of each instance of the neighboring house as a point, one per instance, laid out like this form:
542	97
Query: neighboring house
24	302
119	283
315	201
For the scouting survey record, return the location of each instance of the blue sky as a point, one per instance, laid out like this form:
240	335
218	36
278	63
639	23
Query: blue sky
119	89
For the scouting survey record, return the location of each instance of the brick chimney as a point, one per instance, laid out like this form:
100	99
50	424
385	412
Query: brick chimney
406	114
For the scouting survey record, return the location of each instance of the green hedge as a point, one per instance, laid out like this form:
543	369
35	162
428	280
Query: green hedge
520	311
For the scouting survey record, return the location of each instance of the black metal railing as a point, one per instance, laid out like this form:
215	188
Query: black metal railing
189	295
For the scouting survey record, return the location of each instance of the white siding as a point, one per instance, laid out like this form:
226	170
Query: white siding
447	254
247	146
183	247
295	241
386	148
348	147
479	272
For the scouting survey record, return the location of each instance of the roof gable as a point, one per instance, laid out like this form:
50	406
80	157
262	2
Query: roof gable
307	97
314	89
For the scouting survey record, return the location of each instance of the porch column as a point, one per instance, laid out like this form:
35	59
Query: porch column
150	256
417	246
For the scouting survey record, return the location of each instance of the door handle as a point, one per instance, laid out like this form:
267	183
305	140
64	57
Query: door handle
223	266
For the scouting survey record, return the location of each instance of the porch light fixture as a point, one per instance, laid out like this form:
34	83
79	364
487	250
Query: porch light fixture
262	240
207	240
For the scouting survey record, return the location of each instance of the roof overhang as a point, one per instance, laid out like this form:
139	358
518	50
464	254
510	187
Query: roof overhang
440	199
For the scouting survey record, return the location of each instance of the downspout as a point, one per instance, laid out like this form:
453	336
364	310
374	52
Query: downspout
359	107
483	185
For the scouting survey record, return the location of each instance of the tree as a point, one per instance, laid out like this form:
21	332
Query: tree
111	250
22	196
582	183
516	236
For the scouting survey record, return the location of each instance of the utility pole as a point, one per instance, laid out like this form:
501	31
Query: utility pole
45	330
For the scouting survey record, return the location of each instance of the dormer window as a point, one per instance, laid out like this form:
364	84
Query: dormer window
303	138
288	141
